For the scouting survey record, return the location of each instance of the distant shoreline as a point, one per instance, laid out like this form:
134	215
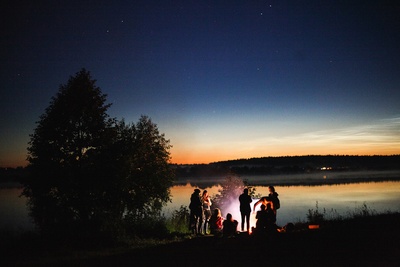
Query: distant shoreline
310	179
289	165
301	179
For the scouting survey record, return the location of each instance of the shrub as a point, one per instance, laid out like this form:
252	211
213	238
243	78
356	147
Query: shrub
179	221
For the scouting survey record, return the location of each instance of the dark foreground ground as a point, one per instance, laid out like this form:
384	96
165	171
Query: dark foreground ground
368	241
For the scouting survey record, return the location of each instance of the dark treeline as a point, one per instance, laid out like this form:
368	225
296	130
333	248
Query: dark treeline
262	166
13	175
289	165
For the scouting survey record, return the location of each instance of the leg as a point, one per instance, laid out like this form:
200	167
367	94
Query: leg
207	215
192	222
248	221
243	215
199	222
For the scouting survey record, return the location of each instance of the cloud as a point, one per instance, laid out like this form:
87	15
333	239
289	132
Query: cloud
378	137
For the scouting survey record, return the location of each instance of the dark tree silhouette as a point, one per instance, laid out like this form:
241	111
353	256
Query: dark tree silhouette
148	171
89	172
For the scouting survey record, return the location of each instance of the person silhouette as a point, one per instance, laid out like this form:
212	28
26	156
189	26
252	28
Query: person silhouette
270	217
245	208
216	222
262	220
229	226
263	201
273	196
206	213
195	216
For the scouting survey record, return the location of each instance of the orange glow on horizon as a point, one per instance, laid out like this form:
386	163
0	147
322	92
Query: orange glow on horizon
13	162
198	155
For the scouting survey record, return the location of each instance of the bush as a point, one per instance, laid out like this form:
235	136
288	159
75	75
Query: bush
179	221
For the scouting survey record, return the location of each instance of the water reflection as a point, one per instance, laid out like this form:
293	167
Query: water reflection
13	210
297	200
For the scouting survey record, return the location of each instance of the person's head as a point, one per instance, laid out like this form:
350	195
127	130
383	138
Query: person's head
246	191
269	206
271	189
197	191
205	193
262	207
217	212
229	217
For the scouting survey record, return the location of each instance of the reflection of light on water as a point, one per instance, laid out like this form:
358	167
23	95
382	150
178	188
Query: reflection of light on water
297	200
326	168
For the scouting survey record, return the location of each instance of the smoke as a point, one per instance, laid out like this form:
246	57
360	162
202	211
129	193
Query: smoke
227	199
234	209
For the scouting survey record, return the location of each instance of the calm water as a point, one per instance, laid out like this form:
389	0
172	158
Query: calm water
295	201
13	210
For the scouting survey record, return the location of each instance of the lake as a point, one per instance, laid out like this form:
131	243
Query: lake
296	200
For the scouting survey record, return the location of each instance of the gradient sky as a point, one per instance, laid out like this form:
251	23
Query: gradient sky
222	79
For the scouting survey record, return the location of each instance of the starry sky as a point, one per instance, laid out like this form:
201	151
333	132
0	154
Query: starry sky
221	79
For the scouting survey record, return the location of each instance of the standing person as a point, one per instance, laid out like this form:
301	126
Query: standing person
273	196
206	206
195	212
245	208
216	222
229	228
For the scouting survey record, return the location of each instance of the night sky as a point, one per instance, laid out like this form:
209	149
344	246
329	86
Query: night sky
222	79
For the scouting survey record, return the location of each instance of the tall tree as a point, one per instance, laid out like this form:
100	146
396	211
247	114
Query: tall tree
90	172
149	172
63	153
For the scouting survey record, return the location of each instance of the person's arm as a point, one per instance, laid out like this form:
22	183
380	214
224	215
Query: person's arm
256	204
220	222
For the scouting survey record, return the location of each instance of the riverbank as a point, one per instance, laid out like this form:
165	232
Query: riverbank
361	241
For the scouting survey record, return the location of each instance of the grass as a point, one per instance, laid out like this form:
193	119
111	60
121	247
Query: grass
363	235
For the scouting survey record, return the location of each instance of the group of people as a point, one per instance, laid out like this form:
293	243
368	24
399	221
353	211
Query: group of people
201	218
266	216
200	212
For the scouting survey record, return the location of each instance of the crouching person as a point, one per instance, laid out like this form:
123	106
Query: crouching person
216	223
229	226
